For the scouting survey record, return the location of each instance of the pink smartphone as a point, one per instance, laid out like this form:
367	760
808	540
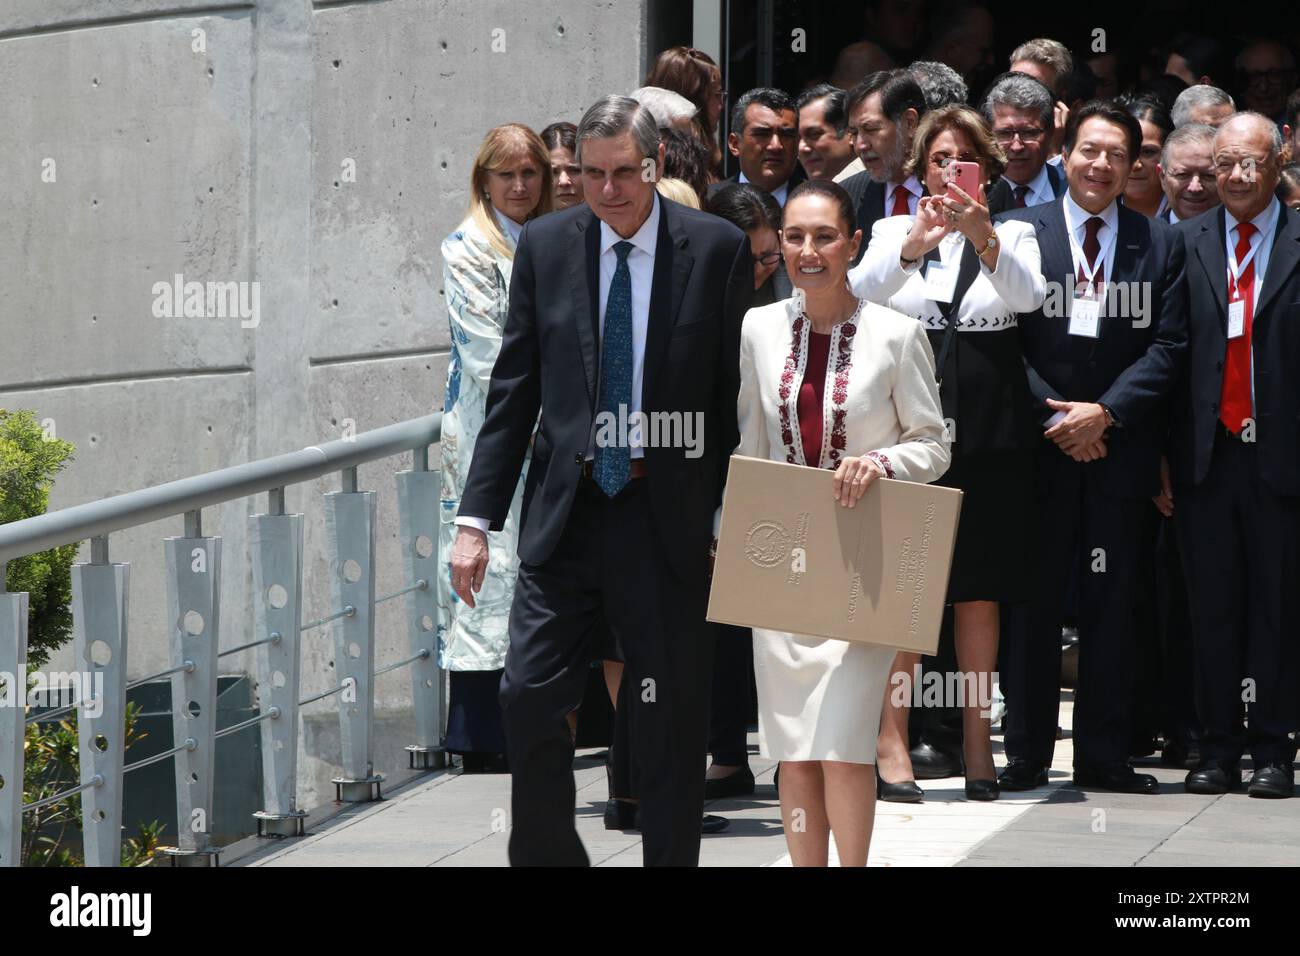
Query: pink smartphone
966	176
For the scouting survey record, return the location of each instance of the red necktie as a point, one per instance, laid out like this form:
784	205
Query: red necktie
1234	401
1020	192
901	207
1091	248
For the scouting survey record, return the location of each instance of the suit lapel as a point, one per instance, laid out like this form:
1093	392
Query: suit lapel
1126	250
584	281
1282	259
673	264
1214	260
1058	263
1056	180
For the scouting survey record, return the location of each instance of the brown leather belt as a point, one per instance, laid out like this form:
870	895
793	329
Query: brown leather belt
636	468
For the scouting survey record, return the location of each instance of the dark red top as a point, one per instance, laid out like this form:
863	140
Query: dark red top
810	396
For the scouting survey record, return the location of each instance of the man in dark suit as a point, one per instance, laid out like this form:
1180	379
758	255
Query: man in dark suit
1235	459
624	333
764	138
1102	356
884	110
1020	111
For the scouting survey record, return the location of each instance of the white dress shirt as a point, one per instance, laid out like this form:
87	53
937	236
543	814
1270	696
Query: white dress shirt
1039	189
1262	242
914	192
1076	221
507	225
778	194
641	267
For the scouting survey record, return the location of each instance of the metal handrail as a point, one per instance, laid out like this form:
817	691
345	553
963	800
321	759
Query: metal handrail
95	518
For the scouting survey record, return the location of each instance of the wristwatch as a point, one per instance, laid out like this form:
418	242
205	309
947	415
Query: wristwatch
1111	421
991	244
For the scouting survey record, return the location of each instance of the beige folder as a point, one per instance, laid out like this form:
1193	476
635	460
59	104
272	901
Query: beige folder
791	558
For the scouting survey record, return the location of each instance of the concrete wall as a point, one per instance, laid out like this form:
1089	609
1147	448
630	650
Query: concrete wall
146	138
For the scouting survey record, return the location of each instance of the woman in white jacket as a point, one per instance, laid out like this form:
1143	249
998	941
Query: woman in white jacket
829	380
964	281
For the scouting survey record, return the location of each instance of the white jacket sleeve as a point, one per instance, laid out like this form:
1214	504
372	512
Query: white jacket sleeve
879	275
1018	279
922	453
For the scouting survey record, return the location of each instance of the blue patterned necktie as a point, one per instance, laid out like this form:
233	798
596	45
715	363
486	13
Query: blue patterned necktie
613	463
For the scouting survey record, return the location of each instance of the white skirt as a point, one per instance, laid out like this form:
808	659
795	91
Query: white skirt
819	698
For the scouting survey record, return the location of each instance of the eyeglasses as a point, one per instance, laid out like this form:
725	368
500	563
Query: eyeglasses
1006	137
769	258
941	160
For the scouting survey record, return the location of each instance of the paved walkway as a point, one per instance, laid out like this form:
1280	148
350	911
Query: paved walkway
455	820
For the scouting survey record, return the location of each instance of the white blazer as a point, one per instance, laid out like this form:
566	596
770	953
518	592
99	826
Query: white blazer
880	395
990	304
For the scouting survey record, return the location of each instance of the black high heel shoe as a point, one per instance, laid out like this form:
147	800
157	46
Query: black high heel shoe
983	790
905	792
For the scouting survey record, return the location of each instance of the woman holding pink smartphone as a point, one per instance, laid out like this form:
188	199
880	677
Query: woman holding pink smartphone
966	281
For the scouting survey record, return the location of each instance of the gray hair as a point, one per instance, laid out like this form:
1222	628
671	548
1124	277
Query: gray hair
1021	92
941	84
615	115
1201	133
667	106
1197	97
1274	134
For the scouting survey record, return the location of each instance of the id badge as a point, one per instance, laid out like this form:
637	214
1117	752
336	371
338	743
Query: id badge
1236	319
1085	317
940	282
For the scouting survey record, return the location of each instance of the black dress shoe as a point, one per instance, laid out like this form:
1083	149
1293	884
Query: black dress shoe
620	815
1275	779
982	790
710	823
905	792
930	763
1214	777
737	784
477	762
1118	777
1022	775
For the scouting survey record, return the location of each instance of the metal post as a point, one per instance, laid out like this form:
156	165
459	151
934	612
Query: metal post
194	614
99	623
417	504
275	543
350	527
13	713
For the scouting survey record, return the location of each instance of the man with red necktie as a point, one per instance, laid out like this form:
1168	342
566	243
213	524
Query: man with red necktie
1235	464
1101	375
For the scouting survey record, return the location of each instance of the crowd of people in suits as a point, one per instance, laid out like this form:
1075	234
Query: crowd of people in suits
1100	349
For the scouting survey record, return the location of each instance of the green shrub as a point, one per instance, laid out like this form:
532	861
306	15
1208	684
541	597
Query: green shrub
28	463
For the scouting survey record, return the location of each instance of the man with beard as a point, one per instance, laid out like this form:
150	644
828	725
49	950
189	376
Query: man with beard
884	110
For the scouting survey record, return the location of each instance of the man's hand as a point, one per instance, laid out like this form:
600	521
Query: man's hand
1164	501
469	561
1093	452
853	477
1082	428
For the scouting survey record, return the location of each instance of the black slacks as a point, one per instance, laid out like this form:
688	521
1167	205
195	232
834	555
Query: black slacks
733	694
1241	553
1077	520
608	567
